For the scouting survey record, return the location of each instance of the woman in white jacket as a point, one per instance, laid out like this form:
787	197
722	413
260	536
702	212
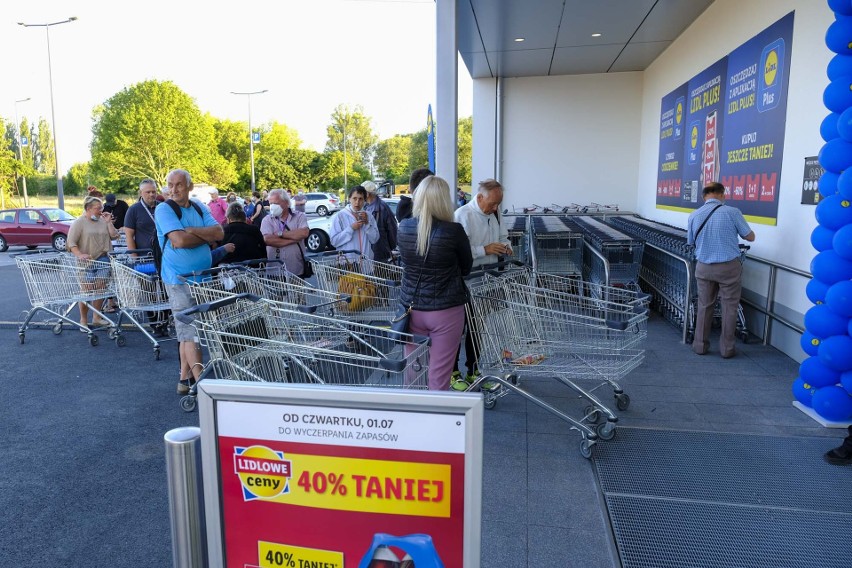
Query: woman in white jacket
353	229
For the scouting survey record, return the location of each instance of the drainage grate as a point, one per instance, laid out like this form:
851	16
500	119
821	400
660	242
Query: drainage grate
701	499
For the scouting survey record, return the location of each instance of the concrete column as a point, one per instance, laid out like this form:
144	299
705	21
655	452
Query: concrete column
446	100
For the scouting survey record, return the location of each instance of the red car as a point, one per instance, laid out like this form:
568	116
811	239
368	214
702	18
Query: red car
34	227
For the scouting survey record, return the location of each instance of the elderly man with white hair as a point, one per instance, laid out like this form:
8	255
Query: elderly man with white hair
284	232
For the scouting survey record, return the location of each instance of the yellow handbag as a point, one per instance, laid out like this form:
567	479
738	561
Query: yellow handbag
359	288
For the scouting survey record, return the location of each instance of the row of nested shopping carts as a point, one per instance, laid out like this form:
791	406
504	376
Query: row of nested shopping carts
667	270
576	245
261	323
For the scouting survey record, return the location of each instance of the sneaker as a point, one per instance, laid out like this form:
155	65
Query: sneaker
490	386
839	456
458	382
184	385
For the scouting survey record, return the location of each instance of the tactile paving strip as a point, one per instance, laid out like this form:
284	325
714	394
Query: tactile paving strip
702	499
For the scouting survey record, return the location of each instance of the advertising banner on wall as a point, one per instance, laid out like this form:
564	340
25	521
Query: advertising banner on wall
735	125
810	181
317	483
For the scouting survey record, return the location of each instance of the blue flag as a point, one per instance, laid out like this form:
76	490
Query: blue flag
430	139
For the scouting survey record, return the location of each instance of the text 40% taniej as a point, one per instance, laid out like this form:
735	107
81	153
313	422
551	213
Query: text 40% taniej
320	482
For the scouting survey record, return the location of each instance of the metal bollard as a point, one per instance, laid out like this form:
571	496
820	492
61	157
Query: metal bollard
186	497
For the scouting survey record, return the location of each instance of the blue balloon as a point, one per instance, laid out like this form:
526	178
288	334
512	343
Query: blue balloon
832	403
839	298
839	66
844	124
844	184
810	343
823	322
836	353
829	267
828	183
822	238
816	290
816	374
836	155
828	126
834	211
803	392
838	35
837	96
842	242
841	7
846	381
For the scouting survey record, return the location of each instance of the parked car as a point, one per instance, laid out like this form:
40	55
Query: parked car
318	239
34	227
321	203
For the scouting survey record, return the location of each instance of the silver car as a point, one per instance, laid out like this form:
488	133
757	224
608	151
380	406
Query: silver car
321	203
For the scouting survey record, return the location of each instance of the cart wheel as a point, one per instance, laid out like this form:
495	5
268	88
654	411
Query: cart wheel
112	333
187	403
490	401
622	401
156	353
586	448
93	340
513	379
21	338
120	340
689	337
592	414
744	336
606	430
57	328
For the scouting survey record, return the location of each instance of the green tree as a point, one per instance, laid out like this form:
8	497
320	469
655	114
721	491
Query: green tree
289	168
329	171
151	127
392	157
232	143
465	142
77	179
360	139
27	151
45	161
418	153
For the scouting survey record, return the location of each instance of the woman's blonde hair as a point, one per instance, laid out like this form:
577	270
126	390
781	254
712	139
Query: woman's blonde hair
432	201
89	200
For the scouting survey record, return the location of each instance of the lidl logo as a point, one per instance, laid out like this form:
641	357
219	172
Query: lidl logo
770	68
263	473
679	112
693	137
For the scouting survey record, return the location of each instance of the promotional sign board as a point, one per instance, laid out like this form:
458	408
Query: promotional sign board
810	182
305	475
735	125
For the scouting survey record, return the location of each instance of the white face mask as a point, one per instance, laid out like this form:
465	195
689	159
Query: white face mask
276	210
94	217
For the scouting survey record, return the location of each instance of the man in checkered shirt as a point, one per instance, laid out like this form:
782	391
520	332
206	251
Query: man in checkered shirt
713	230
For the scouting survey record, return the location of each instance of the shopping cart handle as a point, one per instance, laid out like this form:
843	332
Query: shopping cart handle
744	248
142	252
494	268
186	315
334	253
257	262
209	271
616	325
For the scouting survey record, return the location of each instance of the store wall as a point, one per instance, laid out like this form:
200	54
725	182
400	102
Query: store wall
566	139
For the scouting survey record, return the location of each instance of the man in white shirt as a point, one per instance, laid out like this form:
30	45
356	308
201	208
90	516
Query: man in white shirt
489	240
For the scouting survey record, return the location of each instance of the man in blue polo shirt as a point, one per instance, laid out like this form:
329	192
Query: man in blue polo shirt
713	230
186	240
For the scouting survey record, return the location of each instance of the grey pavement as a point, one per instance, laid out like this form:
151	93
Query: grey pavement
83	482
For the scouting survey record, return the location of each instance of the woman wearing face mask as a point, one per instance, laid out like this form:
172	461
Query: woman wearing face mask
90	238
353	229
284	231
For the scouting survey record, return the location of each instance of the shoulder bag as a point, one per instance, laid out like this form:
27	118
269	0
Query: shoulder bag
401	322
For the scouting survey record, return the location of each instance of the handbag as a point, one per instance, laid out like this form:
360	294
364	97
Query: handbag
401	322
307	267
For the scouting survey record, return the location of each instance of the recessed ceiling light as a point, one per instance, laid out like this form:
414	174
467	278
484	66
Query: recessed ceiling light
519	39
596	35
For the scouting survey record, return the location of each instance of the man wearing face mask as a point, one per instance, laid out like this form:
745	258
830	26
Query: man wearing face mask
353	229
284	232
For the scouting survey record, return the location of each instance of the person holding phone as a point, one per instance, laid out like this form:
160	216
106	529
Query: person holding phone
353	229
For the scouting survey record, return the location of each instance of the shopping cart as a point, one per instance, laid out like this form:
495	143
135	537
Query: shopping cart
249	338
56	282
266	279
557	245
372	286
524	330
518	229
610	257
142	297
742	327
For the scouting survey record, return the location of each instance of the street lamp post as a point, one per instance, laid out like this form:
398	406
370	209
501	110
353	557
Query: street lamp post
251	134
21	152
60	193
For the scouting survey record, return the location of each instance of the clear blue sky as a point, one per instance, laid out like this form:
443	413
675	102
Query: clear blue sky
311	54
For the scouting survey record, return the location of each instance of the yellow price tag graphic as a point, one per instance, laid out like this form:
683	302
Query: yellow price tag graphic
272	555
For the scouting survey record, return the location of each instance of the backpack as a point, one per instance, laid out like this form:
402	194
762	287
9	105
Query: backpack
156	247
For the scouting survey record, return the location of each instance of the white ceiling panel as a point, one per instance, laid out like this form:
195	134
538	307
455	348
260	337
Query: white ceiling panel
583	60
477	65
637	56
467	30
526	63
